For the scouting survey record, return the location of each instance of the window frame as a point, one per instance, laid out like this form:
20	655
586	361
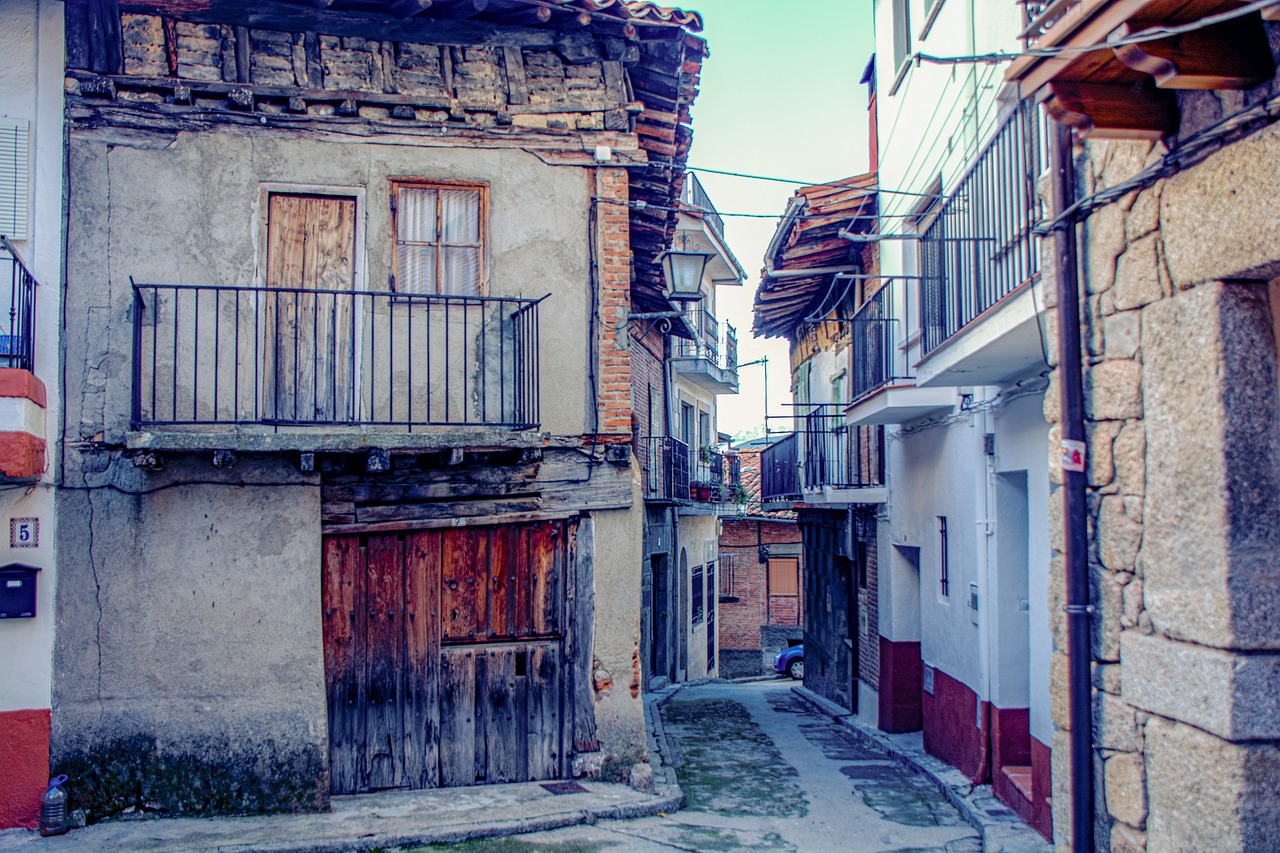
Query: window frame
395	184
901	41
698	597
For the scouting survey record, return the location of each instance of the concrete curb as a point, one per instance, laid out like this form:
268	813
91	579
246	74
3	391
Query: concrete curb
661	755
1002	831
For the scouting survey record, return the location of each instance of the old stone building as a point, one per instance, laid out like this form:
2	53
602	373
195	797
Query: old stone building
347	454
1178	304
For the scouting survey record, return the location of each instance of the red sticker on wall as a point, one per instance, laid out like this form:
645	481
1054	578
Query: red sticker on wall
1072	455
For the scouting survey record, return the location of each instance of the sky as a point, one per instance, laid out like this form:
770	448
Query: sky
779	97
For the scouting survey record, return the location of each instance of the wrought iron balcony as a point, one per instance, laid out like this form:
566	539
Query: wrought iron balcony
666	470
780	470
707	476
875	340
297	358
979	247
710	361
838	456
18	342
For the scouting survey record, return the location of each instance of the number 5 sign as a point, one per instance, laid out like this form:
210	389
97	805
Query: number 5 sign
24	533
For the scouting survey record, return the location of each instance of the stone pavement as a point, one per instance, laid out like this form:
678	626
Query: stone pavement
757	767
363	823
761	770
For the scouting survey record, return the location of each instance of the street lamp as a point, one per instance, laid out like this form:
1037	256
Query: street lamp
682	273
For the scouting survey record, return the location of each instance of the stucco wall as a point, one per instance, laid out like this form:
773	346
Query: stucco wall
189	639
619	548
186	210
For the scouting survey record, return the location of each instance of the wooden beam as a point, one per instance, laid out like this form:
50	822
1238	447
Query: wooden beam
1104	111
1231	55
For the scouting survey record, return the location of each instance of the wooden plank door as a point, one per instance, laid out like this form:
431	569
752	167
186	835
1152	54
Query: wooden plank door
445	657
308	359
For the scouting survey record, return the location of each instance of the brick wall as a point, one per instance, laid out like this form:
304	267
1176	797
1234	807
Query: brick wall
646	372
741	620
613	265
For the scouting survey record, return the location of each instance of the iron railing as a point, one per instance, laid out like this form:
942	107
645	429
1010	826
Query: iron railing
1038	16
299	358
706	476
695	196
839	456
18	344
666	469
780	470
721	351
980	247
875	339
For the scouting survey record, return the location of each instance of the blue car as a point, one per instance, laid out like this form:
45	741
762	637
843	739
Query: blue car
791	661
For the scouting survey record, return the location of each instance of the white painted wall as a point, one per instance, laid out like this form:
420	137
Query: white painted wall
933	119
31	74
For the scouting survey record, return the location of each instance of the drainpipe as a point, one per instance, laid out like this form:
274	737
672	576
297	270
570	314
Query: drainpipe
1074	519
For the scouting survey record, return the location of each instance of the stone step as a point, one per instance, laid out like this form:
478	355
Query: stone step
1020	776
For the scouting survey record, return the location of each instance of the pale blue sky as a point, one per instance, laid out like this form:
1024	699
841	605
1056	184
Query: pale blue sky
779	97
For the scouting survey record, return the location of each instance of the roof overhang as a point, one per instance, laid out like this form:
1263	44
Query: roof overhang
1126	90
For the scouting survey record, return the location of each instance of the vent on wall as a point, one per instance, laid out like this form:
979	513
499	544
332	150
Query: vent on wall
14	177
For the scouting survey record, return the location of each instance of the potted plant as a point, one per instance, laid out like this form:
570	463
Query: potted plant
700	490
704	454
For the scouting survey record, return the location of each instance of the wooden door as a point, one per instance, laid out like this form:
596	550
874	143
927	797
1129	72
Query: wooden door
445	656
308	360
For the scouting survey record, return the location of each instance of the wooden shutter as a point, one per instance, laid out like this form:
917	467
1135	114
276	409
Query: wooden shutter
784	576
14	177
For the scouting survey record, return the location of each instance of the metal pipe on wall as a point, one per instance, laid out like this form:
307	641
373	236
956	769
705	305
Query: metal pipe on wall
1074	518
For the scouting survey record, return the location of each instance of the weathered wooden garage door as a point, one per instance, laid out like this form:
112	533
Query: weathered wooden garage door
445	656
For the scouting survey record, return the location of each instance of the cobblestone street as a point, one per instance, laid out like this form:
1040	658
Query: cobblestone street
761	771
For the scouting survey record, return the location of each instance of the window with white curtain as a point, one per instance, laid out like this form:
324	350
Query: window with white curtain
439	232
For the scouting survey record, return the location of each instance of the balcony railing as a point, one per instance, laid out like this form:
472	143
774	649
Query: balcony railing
876	337
211	355
721	351
1039	15
666	469
839	456
695	196
707	476
780	470
18	342
980	246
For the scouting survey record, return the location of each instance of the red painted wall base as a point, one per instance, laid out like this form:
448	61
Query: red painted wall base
900	667
24	766
951	723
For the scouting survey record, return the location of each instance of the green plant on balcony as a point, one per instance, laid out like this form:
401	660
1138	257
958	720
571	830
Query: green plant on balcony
704	454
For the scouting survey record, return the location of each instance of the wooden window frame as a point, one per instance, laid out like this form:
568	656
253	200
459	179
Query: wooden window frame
437	184
795	563
901	42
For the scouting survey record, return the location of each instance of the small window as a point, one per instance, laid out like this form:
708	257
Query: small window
901	36
784	576
698	599
439	232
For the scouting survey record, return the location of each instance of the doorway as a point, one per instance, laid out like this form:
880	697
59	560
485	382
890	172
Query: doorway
307	354
445	659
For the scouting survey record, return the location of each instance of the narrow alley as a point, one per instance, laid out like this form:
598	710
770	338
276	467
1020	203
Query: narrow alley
761	770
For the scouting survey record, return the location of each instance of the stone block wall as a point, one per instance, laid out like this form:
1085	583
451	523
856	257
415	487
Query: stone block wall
1179	307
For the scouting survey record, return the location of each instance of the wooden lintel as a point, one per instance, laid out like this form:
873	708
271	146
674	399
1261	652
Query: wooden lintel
1231	55
1110	111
